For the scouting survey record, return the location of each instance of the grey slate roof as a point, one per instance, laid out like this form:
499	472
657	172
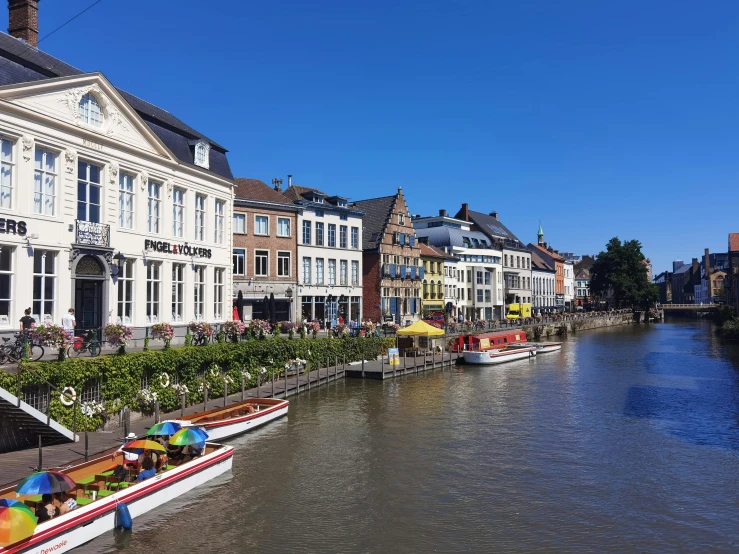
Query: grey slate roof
376	215
492	227
538	263
21	64
450	236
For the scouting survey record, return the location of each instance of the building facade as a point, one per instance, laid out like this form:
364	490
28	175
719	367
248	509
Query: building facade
731	283
582	287
451	285
330	254
432	294
543	285
265	261
568	281
553	259
111	205
391	261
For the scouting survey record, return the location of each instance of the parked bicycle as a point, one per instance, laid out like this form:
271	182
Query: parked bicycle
13	351
200	339
83	344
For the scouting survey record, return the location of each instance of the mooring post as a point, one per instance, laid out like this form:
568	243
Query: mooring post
307	371
242	386
205	395
182	405
259	380
156	411
225	391
273	384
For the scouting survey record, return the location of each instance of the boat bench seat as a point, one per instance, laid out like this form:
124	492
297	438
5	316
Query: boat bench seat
83	501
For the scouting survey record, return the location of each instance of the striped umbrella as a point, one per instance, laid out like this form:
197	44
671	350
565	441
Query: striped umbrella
164	428
188	436
43	482
17	521
138	446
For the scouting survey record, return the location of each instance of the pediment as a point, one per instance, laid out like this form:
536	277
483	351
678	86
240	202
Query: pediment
59	99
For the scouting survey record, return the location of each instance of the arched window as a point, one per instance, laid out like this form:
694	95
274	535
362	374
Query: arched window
202	154
91	112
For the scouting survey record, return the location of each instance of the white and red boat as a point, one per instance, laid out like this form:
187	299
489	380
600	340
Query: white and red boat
541	347
229	421
495	348
499	356
94	516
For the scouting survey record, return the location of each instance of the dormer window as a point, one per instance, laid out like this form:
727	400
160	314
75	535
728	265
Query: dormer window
318	199
202	154
91	112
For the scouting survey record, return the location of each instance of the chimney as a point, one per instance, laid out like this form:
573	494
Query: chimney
494	214
696	267
289	181
442	213
23	20
707	263
465	211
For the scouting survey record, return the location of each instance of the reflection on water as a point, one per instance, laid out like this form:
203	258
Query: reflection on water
624	441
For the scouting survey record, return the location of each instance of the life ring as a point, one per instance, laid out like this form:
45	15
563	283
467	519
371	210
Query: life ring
68	396
215	372
164	379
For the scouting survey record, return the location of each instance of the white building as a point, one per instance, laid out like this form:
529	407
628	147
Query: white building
542	285
451	283
569	278
329	256
479	266
109	204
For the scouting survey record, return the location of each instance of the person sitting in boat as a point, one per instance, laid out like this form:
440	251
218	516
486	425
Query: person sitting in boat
174	452
46	510
147	469
195	450
130	458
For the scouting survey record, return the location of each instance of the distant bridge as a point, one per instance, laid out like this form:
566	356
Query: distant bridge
689	307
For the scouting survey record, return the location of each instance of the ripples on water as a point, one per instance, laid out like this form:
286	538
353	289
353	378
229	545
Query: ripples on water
626	441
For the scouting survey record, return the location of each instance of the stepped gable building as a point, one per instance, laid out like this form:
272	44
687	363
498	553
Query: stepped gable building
264	251
109	204
516	257
391	259
329	251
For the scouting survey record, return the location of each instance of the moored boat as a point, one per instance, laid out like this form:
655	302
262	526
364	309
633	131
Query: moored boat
99	495
498	355
229	421
541	347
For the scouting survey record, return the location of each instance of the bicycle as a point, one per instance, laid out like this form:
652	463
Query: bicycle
83	344
200	339
13	351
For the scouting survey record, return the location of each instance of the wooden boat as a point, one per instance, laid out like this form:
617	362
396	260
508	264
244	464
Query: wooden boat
229	421
93	517
499	355
541	347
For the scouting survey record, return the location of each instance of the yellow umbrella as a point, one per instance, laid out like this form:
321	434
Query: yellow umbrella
420	329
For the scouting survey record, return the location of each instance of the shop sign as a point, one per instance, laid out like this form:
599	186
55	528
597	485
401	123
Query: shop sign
183	249
11	226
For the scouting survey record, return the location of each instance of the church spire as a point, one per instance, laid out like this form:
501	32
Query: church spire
540	234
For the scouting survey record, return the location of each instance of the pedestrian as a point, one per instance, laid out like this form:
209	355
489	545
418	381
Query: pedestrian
69	322
27	322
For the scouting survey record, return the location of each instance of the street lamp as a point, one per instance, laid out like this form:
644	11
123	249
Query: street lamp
119	258
289	295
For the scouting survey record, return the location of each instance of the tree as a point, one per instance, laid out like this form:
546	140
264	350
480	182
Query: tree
621	274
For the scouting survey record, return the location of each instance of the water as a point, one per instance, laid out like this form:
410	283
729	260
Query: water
626	441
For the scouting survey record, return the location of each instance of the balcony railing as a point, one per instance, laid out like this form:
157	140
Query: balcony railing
92	234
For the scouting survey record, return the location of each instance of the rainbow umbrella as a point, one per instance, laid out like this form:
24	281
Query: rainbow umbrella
17	521
188	436
138	446
43	482
164	428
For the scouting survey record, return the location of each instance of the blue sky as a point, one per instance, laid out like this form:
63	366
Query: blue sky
601	119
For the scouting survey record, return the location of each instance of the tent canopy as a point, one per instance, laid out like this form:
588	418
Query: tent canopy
420	329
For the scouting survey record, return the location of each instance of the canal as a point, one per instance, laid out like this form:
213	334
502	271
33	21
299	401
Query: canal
627	440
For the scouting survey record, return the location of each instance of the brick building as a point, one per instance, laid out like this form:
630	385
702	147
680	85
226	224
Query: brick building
264	249
391	261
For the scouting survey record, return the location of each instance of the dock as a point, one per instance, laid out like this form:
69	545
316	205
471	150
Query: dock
405	365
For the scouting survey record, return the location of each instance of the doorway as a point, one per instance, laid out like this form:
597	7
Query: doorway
88	305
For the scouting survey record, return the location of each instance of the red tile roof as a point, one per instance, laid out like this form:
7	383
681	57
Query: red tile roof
733	242
254	189
432	251
543	250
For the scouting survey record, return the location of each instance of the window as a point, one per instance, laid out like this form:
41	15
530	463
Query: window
178	213
125	292
199	217
261	263
199	292
219	222
153	202
319	271
239	222
401	219
283	227
479	277
319	234
331	272
355	237
342	236
283	264
125	200
153	284
306	232
479	295
88	192
331	235
6	280
355	272
202	154
7	176
44	281
343	270
91	112
319	213
261	225
239	261
487	277
218	293
44	182
178	292
306	271
505	260
487	296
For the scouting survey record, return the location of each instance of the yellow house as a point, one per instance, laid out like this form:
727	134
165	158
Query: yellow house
432	295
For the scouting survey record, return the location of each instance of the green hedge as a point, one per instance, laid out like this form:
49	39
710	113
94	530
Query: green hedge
120	377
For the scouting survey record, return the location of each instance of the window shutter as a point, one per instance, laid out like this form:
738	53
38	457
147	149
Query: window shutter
413	241
402	272
413	272
383	304
421	270
402	238
392	270
393	305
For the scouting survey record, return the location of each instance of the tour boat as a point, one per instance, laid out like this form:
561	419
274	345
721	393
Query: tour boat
226	422
541	347
97	514
498	355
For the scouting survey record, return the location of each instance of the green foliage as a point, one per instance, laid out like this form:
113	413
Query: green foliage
620	273
725	313
188	338
146	343
730	328
120	377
